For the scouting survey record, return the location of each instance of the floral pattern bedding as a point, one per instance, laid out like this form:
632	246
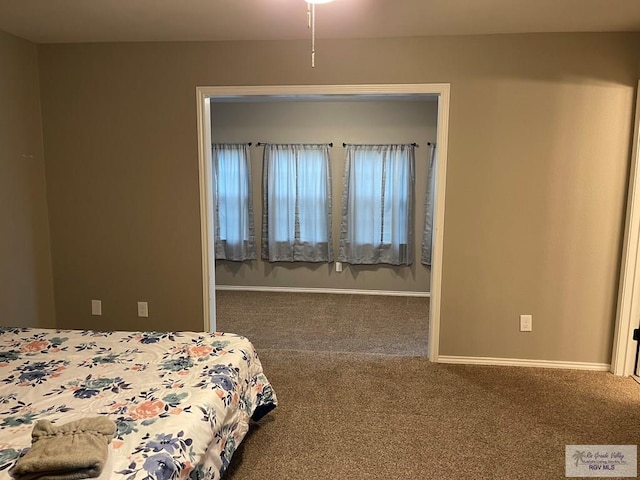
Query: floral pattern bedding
181	401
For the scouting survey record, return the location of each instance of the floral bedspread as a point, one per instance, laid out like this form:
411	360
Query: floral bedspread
181	401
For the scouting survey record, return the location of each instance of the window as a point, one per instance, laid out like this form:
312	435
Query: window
377	205
234	231
296	222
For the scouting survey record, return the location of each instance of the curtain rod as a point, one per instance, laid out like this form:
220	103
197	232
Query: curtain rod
380	145
261	144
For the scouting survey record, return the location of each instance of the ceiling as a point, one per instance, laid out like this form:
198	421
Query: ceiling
74	21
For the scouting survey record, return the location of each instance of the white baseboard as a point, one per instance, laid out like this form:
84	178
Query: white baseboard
340	291
523	362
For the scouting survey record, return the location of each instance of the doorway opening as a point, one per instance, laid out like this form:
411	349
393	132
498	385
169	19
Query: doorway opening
211	98
628	313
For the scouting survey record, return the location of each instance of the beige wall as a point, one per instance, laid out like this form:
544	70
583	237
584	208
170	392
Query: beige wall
539	145
337	122
26	286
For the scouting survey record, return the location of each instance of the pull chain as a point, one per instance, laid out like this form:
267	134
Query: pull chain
313	35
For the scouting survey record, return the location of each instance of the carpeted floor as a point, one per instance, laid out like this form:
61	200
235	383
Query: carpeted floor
358	399
327	322
359	416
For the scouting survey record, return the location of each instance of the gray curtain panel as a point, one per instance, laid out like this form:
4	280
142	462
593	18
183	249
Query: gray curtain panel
377	205
296	212
234	236
427	234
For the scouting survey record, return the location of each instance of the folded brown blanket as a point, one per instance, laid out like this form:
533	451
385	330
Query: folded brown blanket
71	451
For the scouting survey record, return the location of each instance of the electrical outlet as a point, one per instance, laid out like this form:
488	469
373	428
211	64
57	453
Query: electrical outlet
143	309
338	266
526	323
96	307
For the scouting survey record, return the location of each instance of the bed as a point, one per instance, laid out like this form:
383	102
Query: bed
181	401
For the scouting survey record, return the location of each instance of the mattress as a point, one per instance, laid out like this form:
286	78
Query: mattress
181	401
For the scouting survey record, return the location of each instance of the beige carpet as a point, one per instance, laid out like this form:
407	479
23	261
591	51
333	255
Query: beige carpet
326	322
363	415
356	416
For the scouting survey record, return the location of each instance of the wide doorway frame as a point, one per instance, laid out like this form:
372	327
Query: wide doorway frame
628	312
208	95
